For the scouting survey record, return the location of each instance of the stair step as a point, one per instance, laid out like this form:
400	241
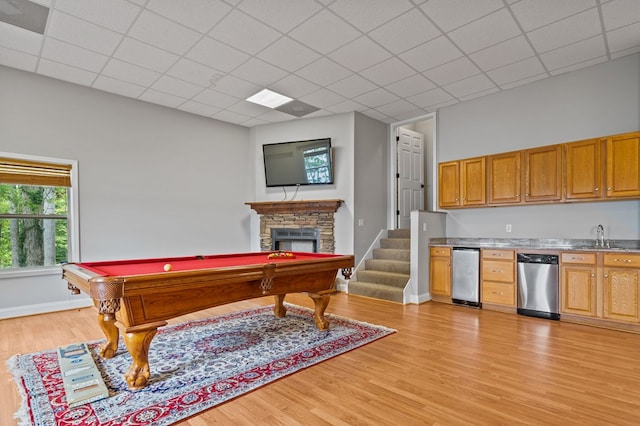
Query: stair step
387	278
378	291
392	254
399	233
395	243
385	265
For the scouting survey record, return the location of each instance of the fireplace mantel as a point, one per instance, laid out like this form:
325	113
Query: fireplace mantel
283	207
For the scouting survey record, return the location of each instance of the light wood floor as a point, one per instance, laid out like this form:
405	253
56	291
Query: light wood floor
446	365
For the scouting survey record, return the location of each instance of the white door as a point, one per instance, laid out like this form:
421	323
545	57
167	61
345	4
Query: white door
410	177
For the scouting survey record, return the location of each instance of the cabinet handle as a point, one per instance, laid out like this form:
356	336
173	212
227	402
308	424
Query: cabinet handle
608	188
596	189
606	275
622	260
576	258
497	292
593	275
496	270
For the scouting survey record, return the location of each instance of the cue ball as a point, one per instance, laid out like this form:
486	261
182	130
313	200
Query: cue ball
167	267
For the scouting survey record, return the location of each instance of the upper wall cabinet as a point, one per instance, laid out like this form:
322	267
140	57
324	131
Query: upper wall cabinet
623	165
462	183
543	174
596	169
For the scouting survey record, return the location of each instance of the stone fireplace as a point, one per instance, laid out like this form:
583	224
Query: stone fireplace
301	225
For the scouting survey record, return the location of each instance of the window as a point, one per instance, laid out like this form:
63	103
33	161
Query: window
37	204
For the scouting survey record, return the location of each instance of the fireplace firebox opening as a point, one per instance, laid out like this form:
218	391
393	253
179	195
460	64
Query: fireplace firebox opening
295	239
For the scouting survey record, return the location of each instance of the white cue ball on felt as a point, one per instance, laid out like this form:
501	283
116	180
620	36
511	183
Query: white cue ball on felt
167	267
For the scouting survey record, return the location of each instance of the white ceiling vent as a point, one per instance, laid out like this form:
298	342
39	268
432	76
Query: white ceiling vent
24	14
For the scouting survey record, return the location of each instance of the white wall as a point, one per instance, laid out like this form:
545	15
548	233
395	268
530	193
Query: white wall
153	181
601	100
340	128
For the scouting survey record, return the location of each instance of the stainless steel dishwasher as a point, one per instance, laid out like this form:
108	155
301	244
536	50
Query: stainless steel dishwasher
538	285
465	282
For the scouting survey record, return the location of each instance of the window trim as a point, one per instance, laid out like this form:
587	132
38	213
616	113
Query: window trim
73	224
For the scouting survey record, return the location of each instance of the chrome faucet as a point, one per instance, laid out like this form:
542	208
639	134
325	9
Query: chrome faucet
600	237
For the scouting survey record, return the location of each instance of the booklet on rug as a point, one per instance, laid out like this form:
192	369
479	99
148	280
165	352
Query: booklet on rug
80	376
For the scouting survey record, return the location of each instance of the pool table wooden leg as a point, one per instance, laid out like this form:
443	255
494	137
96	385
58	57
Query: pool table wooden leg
278	309
108	326
321	301
138	341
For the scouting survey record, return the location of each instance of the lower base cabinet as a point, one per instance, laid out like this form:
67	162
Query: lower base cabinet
440	272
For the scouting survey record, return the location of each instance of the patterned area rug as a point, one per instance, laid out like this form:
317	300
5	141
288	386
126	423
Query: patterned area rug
194	366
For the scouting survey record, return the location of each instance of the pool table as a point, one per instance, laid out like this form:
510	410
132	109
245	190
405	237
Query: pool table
138	296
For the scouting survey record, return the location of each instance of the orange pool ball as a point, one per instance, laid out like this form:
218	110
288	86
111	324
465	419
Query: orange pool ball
167	267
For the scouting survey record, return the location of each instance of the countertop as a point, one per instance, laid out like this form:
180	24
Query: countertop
614	246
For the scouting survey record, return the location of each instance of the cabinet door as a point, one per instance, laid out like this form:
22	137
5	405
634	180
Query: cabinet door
504	178
543	173
440	276
623	165
449	184
473	182
578	290
621	294
584	169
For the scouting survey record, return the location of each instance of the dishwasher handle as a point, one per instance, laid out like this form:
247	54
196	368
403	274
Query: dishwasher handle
545	259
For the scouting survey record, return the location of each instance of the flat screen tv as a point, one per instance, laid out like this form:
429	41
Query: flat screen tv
307	162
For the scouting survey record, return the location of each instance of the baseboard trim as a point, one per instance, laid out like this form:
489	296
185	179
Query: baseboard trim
44	308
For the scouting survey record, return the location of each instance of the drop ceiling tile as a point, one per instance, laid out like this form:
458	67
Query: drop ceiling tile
376	115
116	15
199	109
387	72
376	98
452	71
288	54
200	15
74	56
532	14
469	86
216	55
165	34
215	98
125	71
324	71
324	32
253	122
431	54
195	73
243	32
517	71
161	98
236	87
485	32
621	53
65	72
578	66
405	32
451	14
20	39
259	72
432	97
502	54
567	31
524	81
479	94
144	55
619	13
415	84
282	15
294	86
360	54
231	117
624	38
14	59
247	108
574	53
352	86
346	106
118	87
177	87
396	108
439	105
81	33
322	98
411	115
376	12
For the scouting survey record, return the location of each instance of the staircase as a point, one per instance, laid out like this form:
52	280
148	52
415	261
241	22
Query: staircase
387	273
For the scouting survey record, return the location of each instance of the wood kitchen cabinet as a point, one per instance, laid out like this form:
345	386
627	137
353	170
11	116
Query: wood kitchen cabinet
578	284
440	273
504	176
462	183
583	170
623	165
498	277
621	275
543	174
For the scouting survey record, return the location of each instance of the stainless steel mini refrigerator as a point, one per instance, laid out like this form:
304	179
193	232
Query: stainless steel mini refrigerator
465	283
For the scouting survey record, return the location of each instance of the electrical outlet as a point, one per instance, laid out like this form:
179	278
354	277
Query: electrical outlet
360	222
508	227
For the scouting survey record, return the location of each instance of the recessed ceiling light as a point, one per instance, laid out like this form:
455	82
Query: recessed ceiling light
269	99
